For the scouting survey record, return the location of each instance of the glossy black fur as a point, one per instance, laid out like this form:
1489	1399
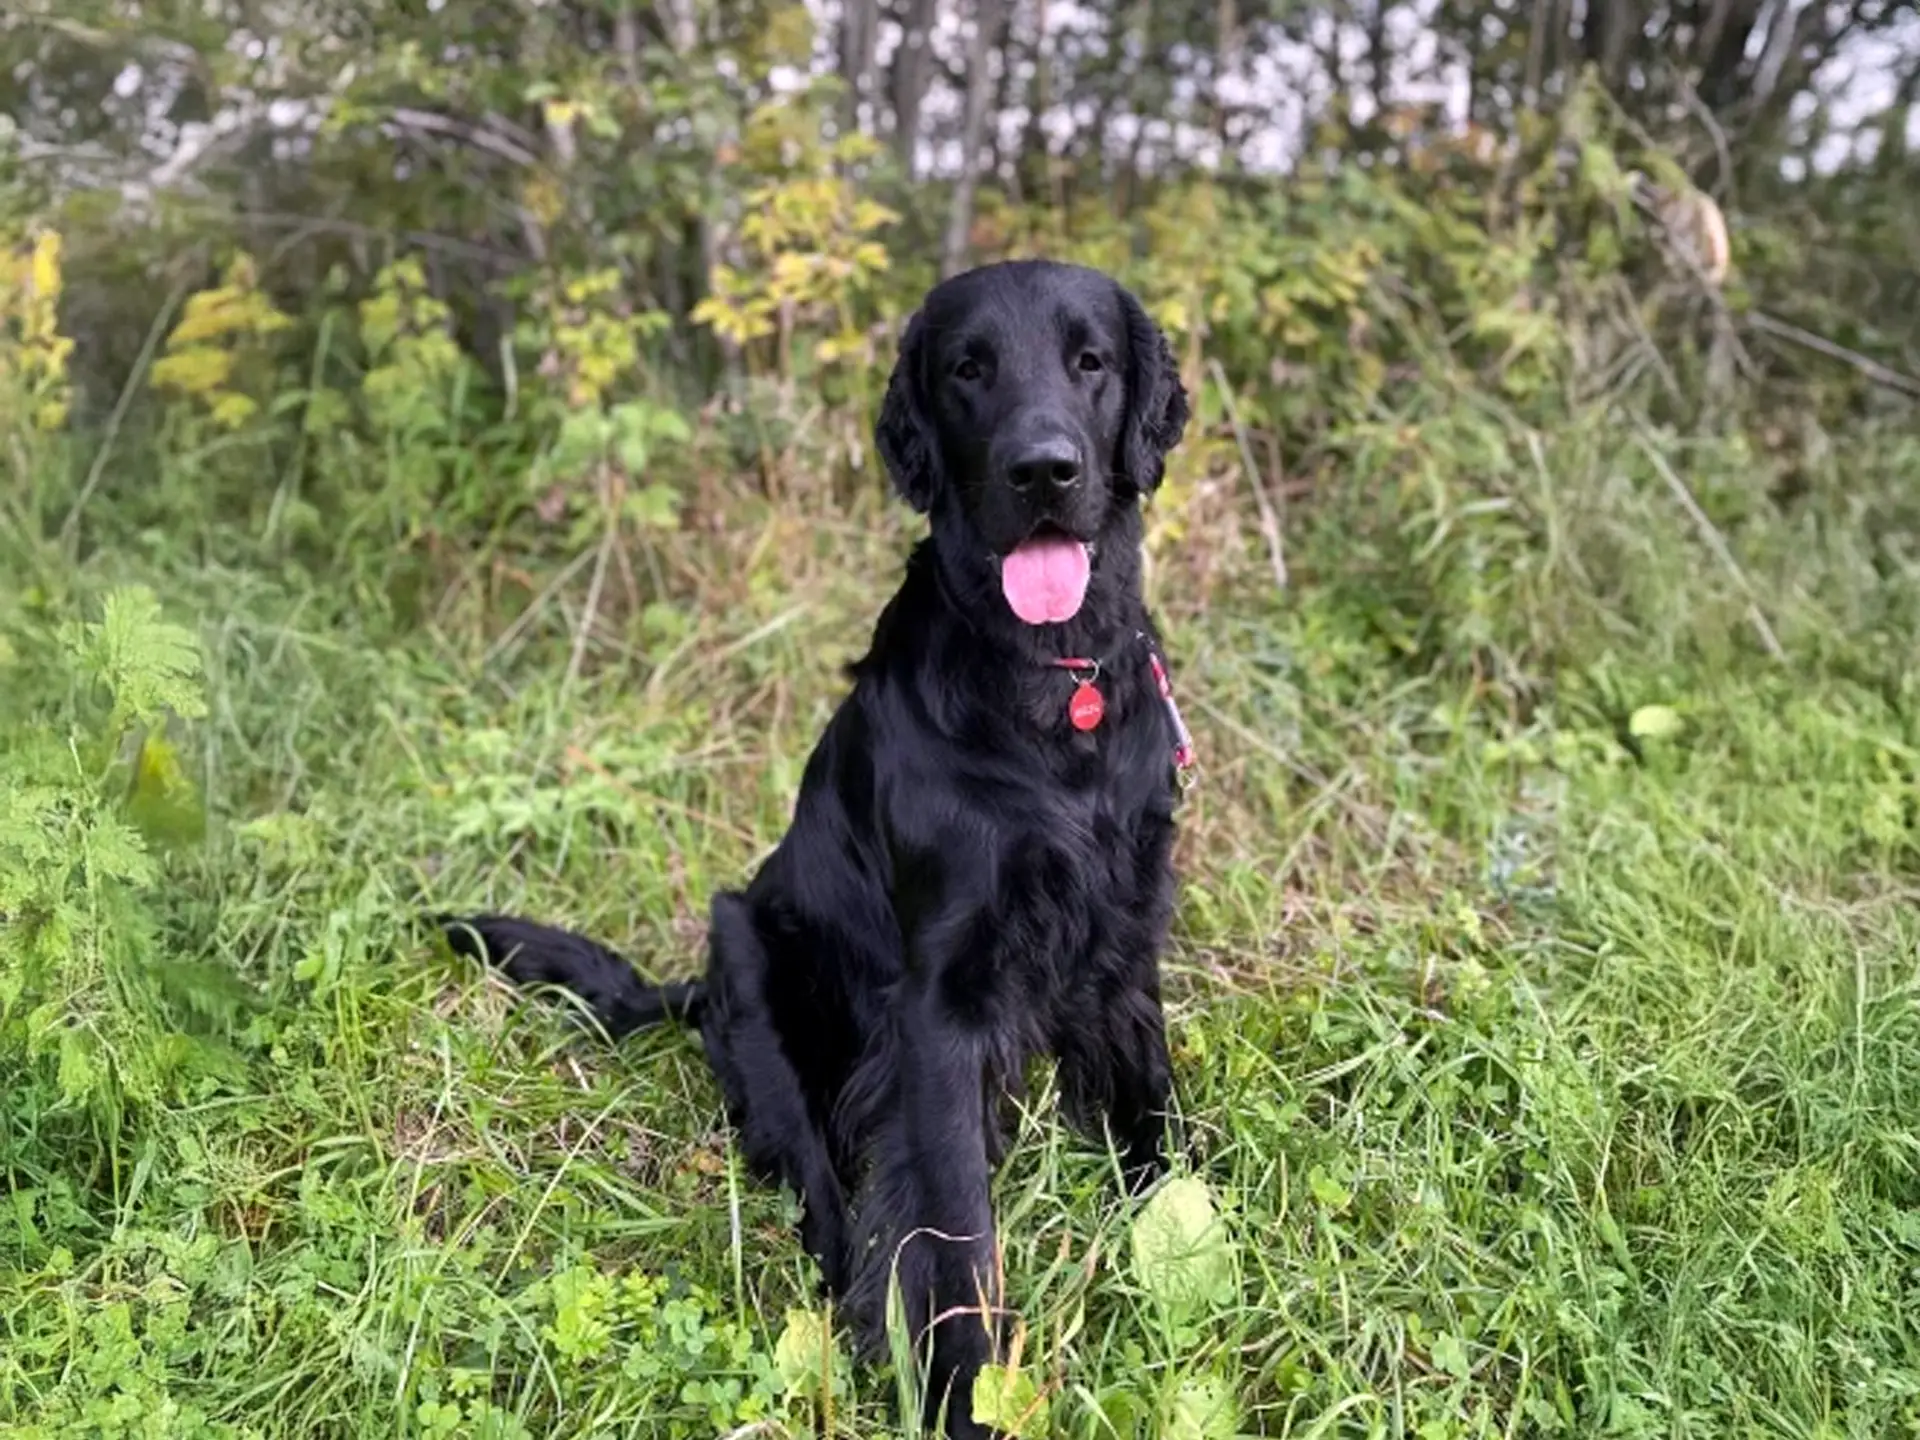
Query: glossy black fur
968	881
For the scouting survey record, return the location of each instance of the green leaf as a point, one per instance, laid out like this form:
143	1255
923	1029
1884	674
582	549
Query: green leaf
1182	1254
1203	1408
581	1327
151	666
163	802
801	1351
79	1073
654	507
1653	722
1450	1355
584	437
1327	1191
1009	1401
116	851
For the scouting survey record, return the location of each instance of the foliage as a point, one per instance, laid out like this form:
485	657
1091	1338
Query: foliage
214	353
811	238
79	982
33	351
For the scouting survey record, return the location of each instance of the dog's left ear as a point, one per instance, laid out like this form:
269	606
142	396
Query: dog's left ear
1156	400
904	433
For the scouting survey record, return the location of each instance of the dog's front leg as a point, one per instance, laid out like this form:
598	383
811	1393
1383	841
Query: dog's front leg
927	1211
1111	1040
1115	1075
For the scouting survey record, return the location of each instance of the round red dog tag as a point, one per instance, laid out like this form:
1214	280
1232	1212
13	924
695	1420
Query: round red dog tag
1086	707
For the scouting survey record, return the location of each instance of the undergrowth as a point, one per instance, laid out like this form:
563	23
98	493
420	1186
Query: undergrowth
1543	987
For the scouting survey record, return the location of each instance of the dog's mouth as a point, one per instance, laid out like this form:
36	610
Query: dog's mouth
1045	576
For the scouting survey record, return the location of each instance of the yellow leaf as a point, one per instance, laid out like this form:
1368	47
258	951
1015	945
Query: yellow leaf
197	370
233	410
45	273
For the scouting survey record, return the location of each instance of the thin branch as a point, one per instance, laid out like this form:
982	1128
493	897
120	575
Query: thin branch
1269	517
70	527
1872	369
1723	152
1715	541
480	137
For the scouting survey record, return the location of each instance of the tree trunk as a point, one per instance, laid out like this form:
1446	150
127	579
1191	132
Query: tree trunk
1895	150
1135	102
1226	46
680	24
1031	165
1722	51
859	35
1797	42
1559	42
1608	35
987	19
910	72
1002	100
1538	29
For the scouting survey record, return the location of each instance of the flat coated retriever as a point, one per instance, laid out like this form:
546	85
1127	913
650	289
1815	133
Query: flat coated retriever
979	864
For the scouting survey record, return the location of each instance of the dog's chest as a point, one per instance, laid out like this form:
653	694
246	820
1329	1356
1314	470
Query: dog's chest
1073	835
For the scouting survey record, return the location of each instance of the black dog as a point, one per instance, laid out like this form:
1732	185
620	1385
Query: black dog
978	868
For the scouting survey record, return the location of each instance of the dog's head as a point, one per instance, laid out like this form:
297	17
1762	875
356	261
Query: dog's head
1032	405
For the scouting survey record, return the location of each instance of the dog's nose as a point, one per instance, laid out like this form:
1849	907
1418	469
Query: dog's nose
1054	462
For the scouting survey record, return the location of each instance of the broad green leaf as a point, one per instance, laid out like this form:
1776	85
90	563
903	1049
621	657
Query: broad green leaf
1009	1401
801	1352
1182	1254
1203	1408
163	802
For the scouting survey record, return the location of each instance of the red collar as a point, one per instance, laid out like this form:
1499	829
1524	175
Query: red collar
1088	706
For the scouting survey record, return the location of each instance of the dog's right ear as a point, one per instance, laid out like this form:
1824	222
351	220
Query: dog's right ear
904	434
1157	407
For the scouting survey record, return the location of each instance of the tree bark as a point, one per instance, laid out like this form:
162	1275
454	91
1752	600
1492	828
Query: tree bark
1002	101
987	22
1722	52
859	37
1226	46
910	72
1538	30
1607	37
1031	165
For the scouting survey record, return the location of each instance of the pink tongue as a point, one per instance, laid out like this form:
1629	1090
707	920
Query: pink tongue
1045	580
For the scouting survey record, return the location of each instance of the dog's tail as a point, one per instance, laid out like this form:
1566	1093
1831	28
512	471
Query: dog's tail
532	954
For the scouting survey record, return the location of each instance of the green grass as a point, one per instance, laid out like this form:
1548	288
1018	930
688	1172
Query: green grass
1551	1079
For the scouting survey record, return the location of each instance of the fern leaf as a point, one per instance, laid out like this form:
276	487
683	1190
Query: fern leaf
150	665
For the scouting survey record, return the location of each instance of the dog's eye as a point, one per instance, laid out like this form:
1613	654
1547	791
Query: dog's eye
968	369
1090	362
